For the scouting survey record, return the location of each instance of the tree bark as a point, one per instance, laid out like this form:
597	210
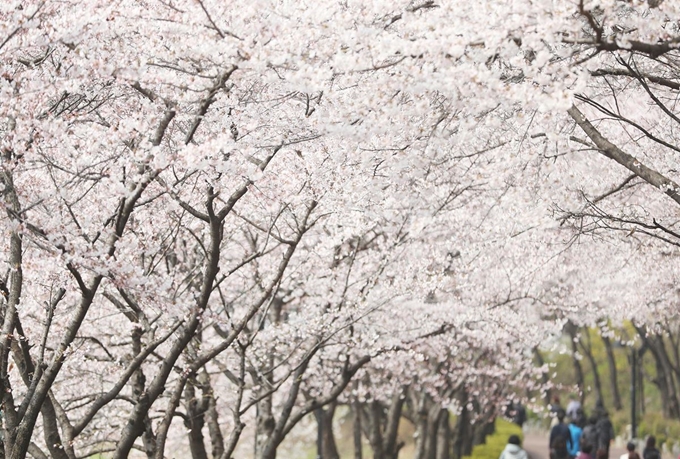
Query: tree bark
443	435
462	433
194	420
358	449
421	420
664	377
613	374
264	424
326	447
611	151
540	361
373	420
672	400
216	437
571	331
392	443
432	433
588	351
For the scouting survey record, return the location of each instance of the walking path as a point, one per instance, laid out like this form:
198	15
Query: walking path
536	444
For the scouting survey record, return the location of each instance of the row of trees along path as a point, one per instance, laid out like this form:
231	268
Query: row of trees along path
219	223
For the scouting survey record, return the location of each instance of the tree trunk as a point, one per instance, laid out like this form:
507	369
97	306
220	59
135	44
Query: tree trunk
194	421
325	439
540	361
640	380
216	437
358	450
138	386
482	430
588	350
432	434
392	443
661	384
264	424
613	374
663	380
672	400
421	417
462	443
443	435
571	331
381	426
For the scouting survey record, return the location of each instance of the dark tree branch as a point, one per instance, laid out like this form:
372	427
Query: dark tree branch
611	151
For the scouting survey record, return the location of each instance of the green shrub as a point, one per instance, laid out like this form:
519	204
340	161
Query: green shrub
620	419
495	443
665	430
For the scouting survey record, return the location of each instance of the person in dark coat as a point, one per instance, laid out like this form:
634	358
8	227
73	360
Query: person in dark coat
558	448
590	434
555	408
650	451
519	414
605	433
599	410
561	430
581	419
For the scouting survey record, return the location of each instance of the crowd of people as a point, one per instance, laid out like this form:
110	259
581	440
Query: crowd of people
581	438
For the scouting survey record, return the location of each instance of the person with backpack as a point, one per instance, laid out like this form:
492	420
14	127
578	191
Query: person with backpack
558	449
513	450
590	435
561	430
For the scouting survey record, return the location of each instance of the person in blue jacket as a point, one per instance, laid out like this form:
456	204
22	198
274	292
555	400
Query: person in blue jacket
576	433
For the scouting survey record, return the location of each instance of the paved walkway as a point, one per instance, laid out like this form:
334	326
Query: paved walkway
536	444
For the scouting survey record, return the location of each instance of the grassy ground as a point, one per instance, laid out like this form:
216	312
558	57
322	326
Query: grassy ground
495	443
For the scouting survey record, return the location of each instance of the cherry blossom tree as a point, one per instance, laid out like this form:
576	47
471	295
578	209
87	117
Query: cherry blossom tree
230	219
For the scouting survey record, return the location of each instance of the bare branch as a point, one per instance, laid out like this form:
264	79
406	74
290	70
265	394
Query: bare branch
611	151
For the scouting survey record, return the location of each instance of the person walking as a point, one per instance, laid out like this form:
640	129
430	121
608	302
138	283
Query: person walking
561	430
590	434
630	452
576	433
572	407
558	449
520	414
555	408
650	451
513	450
605	433
586	451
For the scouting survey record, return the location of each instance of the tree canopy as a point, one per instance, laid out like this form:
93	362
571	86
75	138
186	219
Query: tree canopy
222	218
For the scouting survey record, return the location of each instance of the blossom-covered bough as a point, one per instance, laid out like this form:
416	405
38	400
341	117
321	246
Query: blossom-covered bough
222	222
